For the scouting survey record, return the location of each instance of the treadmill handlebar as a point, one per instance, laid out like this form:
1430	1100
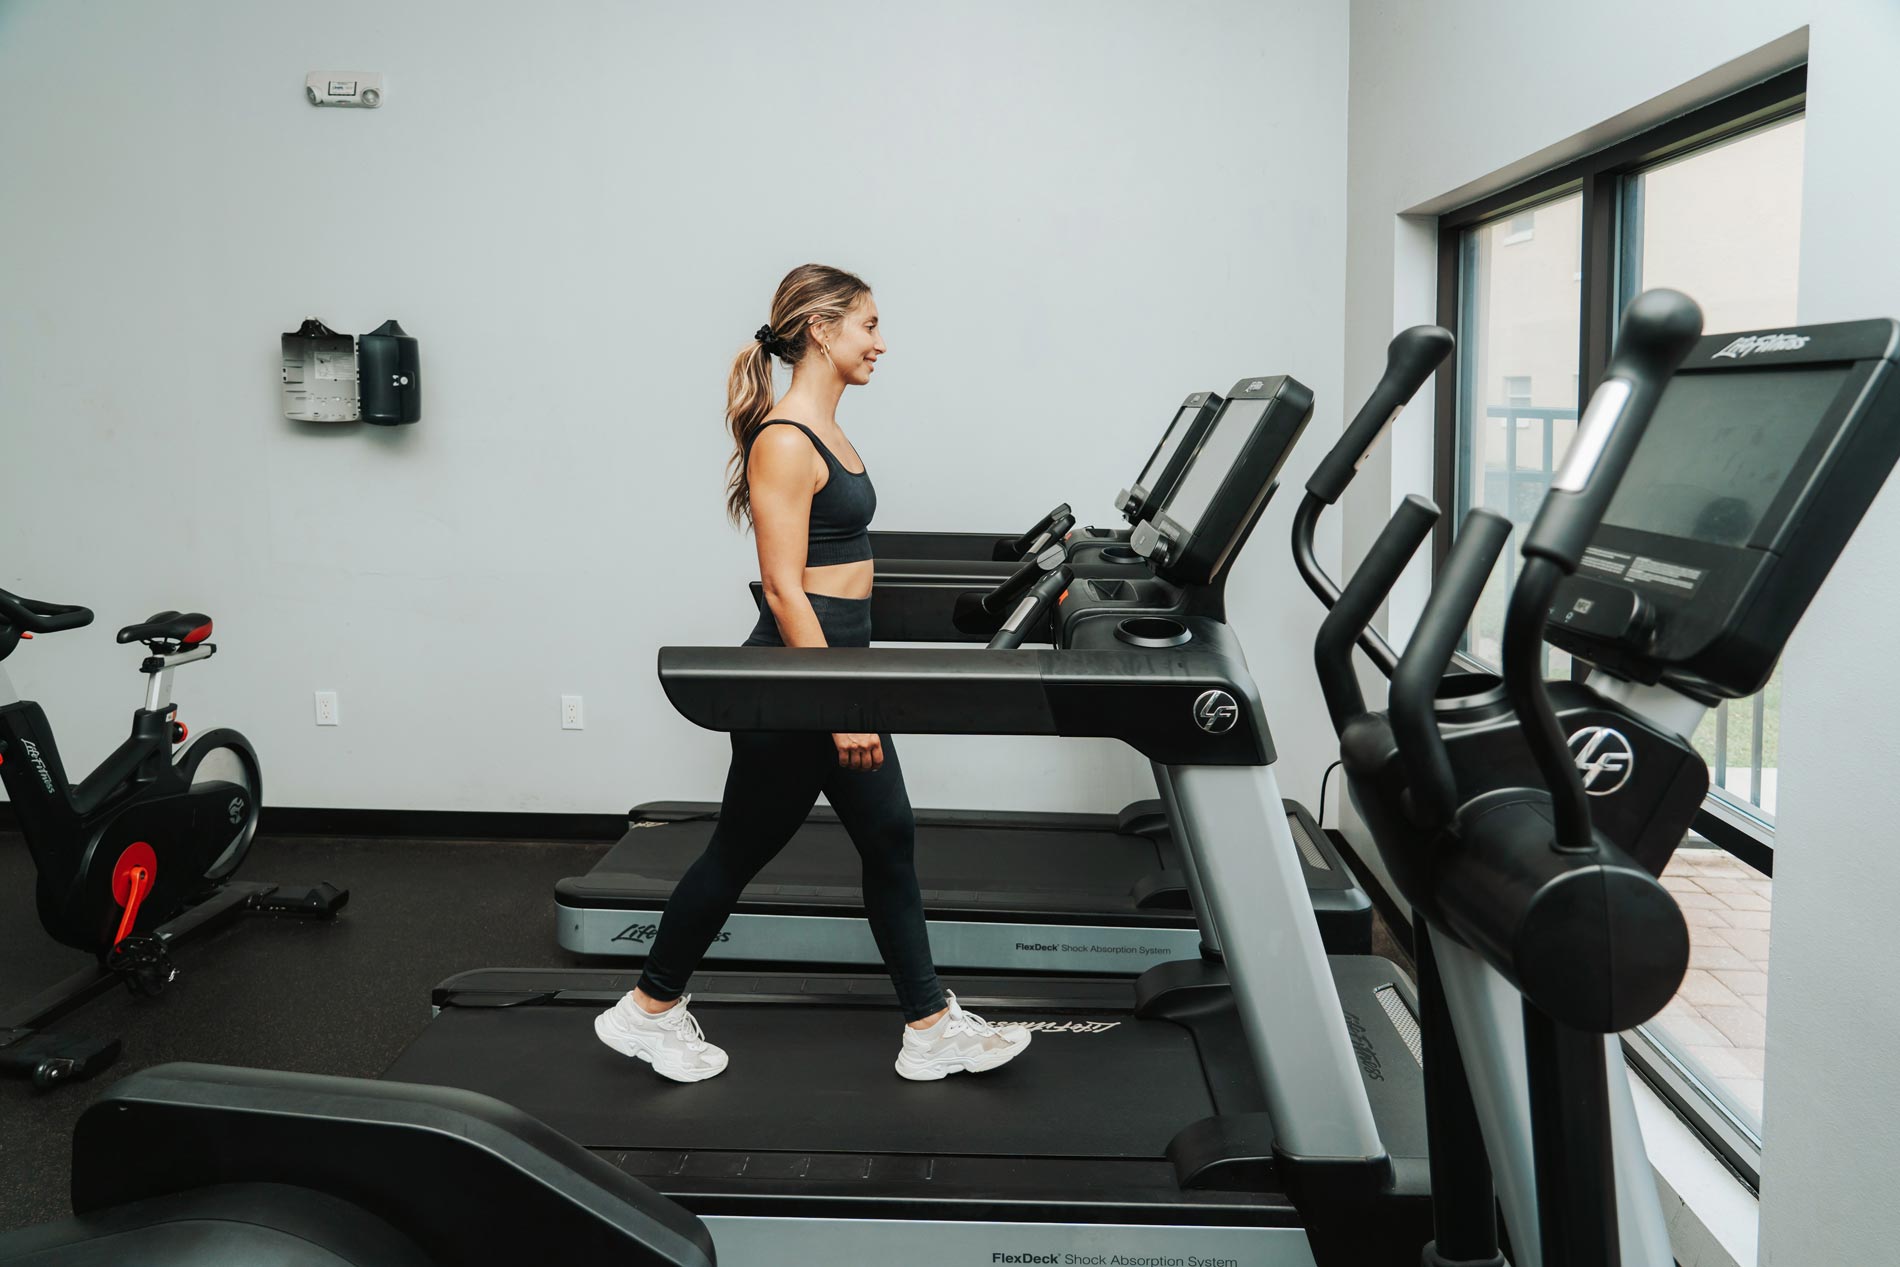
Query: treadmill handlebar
1183	706
1409	360
1017	583
1033	610
1023	544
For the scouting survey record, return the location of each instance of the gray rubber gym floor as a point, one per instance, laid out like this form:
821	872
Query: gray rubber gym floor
343	997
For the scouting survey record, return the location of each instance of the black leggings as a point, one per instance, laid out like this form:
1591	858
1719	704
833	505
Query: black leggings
774	780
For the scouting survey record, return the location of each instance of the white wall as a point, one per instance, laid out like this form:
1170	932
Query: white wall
1453	101
1073	214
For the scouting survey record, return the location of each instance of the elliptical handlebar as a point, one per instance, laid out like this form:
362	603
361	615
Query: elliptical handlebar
1409	360
1415	685
32	616
1659	329
1347	622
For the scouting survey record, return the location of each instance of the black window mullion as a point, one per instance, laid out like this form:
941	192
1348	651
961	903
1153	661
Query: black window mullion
1596	323
1445	455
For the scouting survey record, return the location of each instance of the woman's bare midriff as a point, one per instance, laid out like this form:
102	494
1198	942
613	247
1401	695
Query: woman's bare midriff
841	580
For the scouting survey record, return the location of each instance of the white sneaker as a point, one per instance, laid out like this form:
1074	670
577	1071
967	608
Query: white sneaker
959	1042
671	1041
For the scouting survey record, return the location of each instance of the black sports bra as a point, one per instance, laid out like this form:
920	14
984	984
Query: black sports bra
840	511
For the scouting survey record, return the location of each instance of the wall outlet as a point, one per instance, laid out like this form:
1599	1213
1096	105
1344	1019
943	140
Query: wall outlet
326	708
571	712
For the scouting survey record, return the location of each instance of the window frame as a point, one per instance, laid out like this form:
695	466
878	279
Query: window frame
1603	178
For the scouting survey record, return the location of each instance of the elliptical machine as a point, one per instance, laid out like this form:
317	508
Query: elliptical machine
140	851
1527	823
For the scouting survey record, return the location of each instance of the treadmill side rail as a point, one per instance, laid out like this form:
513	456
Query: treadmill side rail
1192	706
900	690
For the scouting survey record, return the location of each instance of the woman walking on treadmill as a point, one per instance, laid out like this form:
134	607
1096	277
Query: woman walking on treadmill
791	476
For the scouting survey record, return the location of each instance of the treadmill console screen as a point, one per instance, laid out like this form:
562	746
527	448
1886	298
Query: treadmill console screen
1191	536
1169	443
1763	455
1209	466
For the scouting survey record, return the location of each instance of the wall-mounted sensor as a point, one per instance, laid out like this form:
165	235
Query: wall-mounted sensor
389	375
344	88
331	377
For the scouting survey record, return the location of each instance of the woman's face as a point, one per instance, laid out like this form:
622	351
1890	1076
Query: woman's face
854	343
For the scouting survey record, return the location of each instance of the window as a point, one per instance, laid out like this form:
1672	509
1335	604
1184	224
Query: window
1519	310
1709	204
1724	224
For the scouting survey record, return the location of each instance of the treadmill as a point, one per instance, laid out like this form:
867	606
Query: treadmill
1268	1109
1045	892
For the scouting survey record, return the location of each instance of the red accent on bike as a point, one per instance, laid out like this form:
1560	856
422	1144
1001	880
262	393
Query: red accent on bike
1063	599
27	636
199	634
132	878
184	732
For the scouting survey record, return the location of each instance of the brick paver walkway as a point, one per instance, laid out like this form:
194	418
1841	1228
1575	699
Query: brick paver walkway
1719	1018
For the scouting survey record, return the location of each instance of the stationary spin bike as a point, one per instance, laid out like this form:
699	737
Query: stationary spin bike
139	852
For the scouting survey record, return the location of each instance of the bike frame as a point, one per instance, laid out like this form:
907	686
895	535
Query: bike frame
53	813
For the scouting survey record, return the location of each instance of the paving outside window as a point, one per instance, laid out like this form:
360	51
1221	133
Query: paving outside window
1718	1020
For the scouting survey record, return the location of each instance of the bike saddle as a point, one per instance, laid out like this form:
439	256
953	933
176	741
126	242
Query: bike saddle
32	616
185	628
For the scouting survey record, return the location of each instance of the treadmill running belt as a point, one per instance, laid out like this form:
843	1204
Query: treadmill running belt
819	1079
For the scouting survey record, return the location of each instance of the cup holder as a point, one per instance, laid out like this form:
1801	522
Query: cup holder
1462	689
1122	554
1152	631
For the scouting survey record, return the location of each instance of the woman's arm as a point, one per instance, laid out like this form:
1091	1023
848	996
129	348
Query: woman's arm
782	478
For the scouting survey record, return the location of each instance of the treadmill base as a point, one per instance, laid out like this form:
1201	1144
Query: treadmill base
747	1239
847	940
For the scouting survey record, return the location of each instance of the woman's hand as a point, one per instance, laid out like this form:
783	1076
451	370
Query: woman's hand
862	753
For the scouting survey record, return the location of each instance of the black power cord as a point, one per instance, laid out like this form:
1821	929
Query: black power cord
1322	791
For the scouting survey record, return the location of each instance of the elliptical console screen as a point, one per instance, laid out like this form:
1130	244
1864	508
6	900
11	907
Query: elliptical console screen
1719	449
1765	451
1208	468
1169	443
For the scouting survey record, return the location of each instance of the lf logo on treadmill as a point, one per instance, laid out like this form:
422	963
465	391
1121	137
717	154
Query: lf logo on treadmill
1604	757
1215	712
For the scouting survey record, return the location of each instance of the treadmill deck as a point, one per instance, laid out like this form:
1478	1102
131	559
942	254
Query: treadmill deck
1084	1127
